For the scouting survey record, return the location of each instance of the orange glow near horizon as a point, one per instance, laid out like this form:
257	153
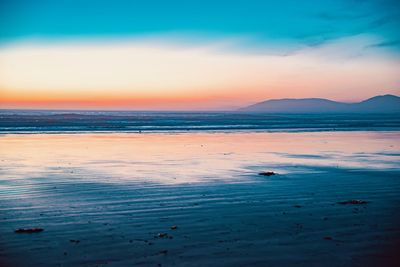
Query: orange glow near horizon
151	75
107	102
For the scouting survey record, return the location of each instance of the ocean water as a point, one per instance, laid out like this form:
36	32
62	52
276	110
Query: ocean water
28	121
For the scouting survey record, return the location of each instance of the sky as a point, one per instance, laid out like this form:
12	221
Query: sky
195	55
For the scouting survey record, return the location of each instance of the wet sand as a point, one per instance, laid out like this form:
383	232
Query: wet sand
111	199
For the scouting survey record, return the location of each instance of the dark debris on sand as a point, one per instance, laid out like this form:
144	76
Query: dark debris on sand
163	235
266	173
353	202
29	230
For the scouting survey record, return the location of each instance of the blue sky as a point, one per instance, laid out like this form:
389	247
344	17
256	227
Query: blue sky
292	23
175	54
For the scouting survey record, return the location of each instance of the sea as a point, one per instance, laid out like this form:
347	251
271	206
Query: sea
60	121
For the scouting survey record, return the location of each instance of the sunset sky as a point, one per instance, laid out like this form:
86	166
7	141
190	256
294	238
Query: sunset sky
194	55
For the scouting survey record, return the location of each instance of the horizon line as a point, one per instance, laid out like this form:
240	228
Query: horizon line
183	110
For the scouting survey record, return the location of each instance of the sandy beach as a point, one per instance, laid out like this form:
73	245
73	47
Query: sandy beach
196	199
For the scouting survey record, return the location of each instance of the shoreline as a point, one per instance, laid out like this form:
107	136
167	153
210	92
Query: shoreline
229	131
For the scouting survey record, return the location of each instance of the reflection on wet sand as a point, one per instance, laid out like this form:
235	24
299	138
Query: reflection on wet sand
196	199
186	158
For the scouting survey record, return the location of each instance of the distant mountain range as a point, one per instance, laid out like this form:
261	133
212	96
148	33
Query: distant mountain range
376	104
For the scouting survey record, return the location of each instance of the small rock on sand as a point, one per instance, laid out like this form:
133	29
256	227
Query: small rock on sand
353	202
29	230
267	173
162	235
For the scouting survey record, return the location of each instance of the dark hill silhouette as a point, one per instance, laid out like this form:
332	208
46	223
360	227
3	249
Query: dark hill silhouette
377	104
